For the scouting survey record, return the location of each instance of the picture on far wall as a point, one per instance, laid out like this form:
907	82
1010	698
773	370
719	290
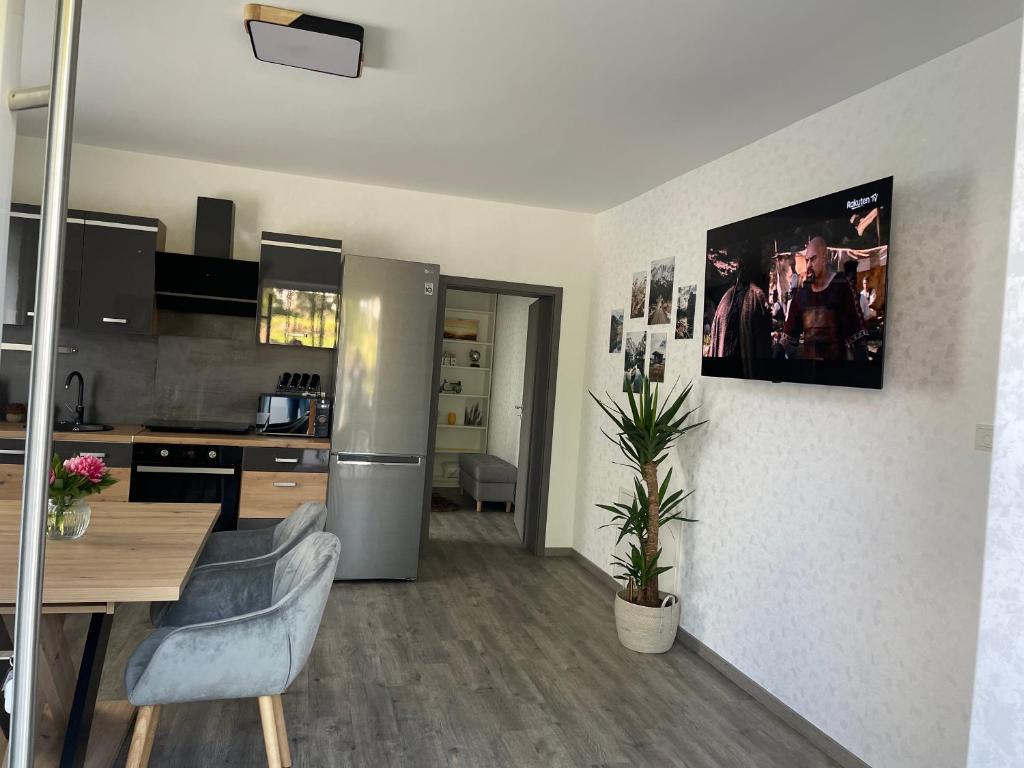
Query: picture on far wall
635	359
615	336
461	329
659	308
639	296
686	309
659	350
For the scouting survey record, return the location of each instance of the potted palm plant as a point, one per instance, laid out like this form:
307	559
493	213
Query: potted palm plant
646	618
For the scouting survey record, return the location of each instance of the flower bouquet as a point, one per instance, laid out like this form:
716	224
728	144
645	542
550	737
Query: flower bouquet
71	480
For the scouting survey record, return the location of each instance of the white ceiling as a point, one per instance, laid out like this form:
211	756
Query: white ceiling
575	104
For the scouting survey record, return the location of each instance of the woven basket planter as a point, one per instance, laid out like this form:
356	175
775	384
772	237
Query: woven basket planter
647	630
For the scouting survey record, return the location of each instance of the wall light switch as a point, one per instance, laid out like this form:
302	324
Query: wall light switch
983	434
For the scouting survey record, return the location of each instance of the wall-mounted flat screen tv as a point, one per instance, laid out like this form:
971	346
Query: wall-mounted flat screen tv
800	294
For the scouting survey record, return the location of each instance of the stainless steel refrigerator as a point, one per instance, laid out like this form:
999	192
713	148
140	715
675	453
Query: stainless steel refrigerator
382	415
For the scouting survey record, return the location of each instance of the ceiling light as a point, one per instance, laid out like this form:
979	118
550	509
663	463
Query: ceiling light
297	39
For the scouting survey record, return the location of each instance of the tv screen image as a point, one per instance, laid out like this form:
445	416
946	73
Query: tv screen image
799	294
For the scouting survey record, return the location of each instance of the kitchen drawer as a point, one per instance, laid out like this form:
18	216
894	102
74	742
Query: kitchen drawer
12	451
285	459
113	454
11	478
118	457
277	494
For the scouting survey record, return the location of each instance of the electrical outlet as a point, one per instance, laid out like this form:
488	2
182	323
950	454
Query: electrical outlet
983	434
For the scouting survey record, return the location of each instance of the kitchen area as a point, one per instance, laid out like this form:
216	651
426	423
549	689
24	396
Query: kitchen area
199	378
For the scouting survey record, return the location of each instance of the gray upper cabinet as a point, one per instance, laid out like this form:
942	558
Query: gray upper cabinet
118	272
300	282
109	263
23	249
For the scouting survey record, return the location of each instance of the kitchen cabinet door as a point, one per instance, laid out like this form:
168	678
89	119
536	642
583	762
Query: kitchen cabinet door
118	268
299	290
22	263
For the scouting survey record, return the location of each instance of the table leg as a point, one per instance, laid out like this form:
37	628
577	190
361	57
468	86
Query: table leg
76	738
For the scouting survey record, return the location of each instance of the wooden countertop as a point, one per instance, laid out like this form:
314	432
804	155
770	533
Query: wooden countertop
249	440
121	433
135	433
131	553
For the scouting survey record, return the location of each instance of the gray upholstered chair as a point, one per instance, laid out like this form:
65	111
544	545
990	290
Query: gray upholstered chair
242	630
226	546
271	542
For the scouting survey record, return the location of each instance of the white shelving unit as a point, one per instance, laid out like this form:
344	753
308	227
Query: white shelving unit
453	439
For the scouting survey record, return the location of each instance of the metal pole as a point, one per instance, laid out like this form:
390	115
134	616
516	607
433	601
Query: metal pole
38	440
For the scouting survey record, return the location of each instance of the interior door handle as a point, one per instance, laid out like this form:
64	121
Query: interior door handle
118	320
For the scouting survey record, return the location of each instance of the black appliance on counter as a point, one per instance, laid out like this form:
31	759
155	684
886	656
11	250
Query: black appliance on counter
196	474
294	414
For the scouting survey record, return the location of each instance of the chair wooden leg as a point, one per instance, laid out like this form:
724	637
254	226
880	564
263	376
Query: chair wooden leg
479	506
508	506
270	741
142	737
282	733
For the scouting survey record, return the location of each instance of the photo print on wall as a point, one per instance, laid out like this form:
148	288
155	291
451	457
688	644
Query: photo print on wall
639	295
686	309
615	335
635	359
659	350
659	307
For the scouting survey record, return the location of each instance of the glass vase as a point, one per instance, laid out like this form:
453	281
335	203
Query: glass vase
67	518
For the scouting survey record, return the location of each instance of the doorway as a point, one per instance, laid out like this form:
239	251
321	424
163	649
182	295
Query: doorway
530	449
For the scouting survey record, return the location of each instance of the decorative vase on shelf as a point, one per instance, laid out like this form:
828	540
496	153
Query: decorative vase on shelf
67	518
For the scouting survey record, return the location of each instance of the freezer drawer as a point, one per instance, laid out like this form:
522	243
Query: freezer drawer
375	507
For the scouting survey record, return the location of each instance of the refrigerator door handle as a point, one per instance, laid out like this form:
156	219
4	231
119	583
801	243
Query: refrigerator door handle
370	459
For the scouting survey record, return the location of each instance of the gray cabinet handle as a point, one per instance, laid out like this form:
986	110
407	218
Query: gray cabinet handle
285	485
118	320
97	455
281	460
11	452
30	313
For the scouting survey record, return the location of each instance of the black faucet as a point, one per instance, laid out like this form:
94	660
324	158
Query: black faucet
80	407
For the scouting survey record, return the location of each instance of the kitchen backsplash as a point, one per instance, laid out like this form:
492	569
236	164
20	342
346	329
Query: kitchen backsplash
130	379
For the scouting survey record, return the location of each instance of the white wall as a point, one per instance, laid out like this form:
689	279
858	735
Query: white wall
466	237
853	595
997	723
12	20
511	323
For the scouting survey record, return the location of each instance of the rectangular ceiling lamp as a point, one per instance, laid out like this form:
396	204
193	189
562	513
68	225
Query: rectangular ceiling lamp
297	39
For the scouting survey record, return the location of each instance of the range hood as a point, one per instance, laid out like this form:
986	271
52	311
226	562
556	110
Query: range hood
209	282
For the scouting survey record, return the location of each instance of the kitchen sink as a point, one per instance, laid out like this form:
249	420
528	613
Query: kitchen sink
70	426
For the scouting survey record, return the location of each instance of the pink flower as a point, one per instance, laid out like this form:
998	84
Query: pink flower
90	467
53	477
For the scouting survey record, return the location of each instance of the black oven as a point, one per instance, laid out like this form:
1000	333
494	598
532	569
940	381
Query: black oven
172	472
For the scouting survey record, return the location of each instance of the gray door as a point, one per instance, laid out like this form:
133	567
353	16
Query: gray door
526	424
375	506
385	356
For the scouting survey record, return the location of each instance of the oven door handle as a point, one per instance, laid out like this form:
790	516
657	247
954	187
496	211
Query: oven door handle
185	470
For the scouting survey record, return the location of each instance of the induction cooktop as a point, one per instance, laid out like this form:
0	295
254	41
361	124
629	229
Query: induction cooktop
217	427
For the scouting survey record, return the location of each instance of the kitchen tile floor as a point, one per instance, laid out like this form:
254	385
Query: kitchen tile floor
491	658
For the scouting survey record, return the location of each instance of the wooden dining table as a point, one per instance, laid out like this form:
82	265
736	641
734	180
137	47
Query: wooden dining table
131	553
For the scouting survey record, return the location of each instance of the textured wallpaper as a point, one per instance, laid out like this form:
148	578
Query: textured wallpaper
997	725
511	322
838	559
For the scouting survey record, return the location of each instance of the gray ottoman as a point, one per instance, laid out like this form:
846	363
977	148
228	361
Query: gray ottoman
487	478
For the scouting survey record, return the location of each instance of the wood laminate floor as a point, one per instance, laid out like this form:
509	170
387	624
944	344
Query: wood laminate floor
492	658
